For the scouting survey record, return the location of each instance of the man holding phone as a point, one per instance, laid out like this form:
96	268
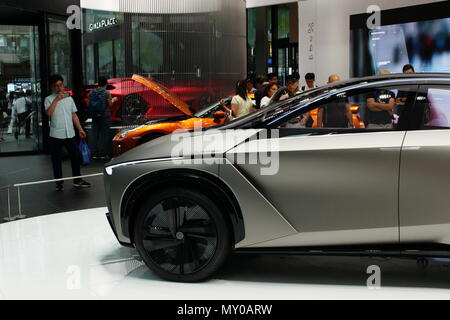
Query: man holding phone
61	110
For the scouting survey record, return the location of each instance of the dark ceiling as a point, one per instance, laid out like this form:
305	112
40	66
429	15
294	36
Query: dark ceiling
28	11
10	15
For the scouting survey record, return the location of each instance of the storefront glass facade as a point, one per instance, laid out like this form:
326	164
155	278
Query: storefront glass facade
201	54
20	91
272	44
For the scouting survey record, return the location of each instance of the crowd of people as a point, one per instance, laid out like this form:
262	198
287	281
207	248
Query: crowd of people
264	88
382	105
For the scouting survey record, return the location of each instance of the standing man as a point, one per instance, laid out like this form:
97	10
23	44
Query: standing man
100	102
61	110
380	107
336	114
310	79
260	81
403	95
292	87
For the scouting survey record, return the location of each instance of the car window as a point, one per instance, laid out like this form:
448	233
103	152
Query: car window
434	105
380	108
209	111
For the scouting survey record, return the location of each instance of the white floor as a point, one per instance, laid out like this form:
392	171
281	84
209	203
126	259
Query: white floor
76	256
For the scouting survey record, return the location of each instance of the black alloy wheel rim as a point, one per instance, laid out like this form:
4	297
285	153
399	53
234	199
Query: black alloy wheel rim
134	106
134	110
179	236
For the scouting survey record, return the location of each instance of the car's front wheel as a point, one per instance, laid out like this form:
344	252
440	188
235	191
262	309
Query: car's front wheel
182	235
134	109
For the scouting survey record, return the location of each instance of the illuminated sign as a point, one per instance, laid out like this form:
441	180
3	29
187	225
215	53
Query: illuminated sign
105	23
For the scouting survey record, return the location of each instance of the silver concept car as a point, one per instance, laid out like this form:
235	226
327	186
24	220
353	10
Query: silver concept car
269	183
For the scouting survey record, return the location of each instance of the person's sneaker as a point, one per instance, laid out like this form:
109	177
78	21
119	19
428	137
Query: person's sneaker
95	157
104	158
59	186
81	184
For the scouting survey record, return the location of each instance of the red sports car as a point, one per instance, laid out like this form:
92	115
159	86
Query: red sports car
137	104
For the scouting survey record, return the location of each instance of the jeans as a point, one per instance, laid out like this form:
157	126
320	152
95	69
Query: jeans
100	136
23	121
56	152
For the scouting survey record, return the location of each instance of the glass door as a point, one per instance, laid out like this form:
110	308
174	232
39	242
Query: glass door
20	92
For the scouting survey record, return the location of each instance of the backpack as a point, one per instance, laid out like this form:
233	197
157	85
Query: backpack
97	103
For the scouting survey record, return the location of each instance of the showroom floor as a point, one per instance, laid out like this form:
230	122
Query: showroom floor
76	256
44	199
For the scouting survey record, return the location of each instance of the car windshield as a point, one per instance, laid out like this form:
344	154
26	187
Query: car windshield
208	110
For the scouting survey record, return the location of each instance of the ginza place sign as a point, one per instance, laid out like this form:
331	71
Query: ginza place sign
103	24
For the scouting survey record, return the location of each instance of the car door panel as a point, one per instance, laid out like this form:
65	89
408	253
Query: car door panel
334	189
425	170
424	186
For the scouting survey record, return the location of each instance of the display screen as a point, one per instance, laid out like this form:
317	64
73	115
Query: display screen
424	44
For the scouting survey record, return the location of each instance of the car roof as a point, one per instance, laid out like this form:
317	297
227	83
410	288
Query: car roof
393	76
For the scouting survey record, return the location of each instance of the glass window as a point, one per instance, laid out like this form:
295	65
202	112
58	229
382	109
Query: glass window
435	107
283	20
20	93
90	65
148	52
251	27
119	54
105	59
60	54
378	109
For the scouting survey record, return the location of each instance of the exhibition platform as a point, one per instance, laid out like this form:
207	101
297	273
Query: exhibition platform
75	255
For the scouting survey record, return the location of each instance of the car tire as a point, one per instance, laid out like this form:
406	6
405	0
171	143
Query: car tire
182	235
134	109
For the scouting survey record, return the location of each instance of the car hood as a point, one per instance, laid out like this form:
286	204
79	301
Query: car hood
187	145
164	92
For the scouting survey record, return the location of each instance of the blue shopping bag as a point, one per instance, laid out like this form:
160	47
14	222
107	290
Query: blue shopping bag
85	153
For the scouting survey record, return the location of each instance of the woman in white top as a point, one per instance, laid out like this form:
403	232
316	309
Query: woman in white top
241	104
269	91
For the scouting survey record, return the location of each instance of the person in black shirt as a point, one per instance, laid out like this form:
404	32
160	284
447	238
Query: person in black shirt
336	114
380	105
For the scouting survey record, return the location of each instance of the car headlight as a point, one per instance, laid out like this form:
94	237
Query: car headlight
127	132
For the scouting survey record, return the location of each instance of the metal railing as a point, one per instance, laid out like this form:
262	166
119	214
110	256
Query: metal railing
20	216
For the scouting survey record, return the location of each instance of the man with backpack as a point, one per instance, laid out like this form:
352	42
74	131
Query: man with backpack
100	102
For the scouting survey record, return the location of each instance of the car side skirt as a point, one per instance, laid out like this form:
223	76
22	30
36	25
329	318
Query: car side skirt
389	250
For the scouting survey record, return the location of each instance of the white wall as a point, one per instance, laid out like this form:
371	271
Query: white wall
331	37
